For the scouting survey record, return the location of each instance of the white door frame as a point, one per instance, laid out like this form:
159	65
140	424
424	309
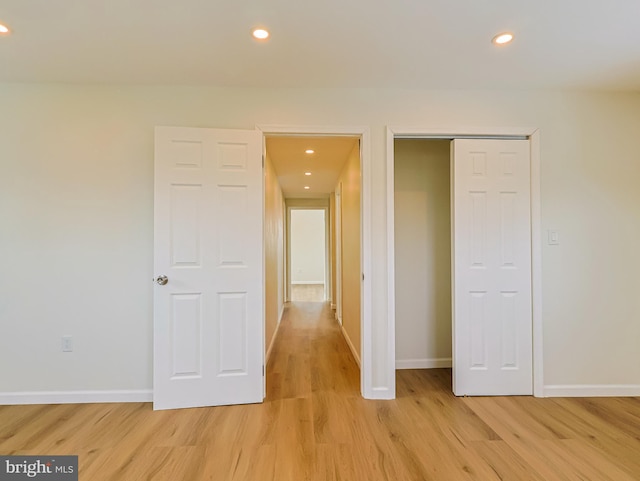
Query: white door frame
366	330
533	135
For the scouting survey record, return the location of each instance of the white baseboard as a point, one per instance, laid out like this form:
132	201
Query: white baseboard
307	282
351	346
273	339
380	393
592	390
76	397
423	363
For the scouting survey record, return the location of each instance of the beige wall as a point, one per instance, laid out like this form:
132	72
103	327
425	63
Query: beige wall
76	204
351	270
332	252
422	253
273	252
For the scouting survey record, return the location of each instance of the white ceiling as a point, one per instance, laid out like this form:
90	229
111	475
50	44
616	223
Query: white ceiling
290	163
432	44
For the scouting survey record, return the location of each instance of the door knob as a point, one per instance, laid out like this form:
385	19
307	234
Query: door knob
161	280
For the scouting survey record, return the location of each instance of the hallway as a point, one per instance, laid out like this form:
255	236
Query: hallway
315	426
311	359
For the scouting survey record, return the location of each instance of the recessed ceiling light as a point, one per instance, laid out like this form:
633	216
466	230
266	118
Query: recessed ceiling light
502	38
260	33
307	187
309	151
4	29
307	173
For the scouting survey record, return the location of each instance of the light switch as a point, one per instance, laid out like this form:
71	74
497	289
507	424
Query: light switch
553	237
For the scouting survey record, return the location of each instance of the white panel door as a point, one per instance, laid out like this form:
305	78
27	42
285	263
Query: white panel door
208	317
492	320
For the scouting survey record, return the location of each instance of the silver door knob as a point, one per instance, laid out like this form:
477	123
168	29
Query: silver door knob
161	280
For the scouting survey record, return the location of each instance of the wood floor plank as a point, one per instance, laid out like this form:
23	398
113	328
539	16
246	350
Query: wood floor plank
505	463
314	425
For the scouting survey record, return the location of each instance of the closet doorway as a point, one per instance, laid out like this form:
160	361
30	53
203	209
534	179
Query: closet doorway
473	203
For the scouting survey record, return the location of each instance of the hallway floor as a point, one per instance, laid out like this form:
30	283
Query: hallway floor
307	292
315	426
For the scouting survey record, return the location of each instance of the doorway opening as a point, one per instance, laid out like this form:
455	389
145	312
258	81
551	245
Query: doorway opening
422	232
315	175
308	249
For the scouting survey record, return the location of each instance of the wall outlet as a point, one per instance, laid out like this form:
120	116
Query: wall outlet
67	343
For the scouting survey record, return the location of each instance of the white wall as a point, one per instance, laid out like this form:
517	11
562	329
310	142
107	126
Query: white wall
308	250
76	209
422	253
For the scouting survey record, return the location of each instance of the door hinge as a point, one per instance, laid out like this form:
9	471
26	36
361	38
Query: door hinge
263	370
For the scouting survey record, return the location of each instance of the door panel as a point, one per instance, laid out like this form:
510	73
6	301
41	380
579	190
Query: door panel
492	320
208	318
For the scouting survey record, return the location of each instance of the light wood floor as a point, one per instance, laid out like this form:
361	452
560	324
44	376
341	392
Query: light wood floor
315	426
307	292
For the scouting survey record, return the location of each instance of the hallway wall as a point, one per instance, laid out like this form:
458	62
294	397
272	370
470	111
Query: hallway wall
332	248
351	269
273	252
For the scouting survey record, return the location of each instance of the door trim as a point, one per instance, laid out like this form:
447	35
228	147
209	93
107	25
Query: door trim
367	388
533	135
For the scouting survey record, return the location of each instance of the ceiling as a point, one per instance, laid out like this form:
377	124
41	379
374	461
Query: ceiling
287	154
427	44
